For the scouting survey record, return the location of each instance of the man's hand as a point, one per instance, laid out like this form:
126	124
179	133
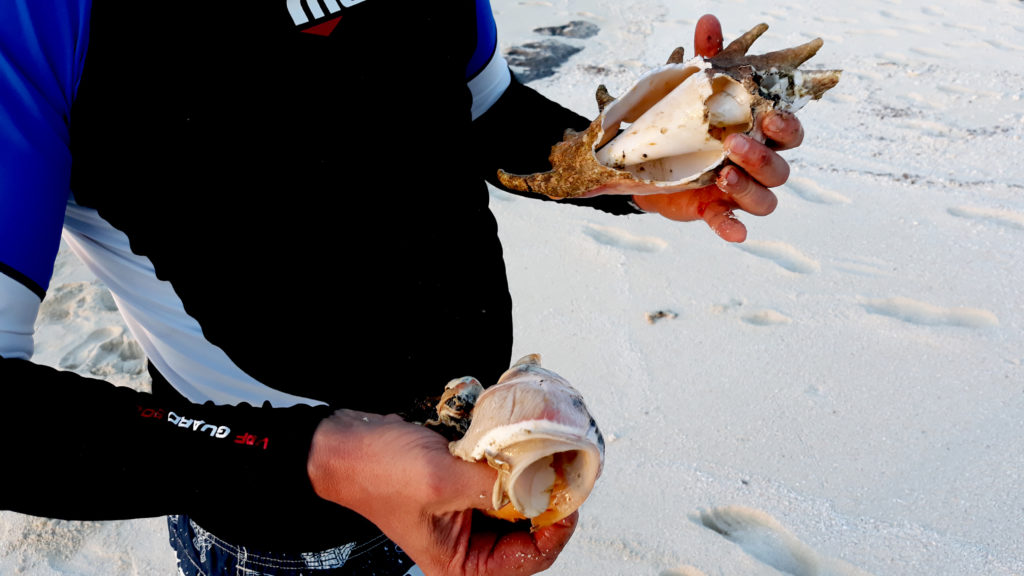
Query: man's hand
744	185
402	478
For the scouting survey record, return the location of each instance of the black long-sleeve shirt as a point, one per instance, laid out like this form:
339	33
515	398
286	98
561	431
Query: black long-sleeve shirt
217	164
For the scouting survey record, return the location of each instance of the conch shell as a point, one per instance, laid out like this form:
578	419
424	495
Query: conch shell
679	115
533	427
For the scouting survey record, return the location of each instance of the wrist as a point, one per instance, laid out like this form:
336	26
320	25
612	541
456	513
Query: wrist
343	464
329	458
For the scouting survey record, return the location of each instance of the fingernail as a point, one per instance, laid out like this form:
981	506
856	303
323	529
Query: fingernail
738	143
775	123
727	178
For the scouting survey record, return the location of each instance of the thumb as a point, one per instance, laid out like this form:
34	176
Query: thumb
707	36
471	485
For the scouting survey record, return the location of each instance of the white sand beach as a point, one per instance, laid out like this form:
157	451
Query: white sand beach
841	394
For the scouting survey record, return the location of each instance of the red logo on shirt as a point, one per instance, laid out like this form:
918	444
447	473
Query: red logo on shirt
311	17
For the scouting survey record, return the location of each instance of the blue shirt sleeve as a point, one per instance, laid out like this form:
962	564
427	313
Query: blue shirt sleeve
487	73
486	39
42	51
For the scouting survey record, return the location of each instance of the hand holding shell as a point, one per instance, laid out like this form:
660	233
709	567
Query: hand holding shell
679	114
532	427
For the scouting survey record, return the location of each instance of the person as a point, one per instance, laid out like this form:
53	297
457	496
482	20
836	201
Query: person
243	176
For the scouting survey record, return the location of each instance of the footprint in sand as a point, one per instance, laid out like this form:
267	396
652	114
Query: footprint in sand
813	192
915	29
767	318
104	352
1007	218
1000	45
732	304
965	26
931	52
619	238
761	536
968	91
889	57
782	254
924	314
864	266
764	317
896	16
926	127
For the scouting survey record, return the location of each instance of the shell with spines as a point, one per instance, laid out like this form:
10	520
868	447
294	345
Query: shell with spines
678	116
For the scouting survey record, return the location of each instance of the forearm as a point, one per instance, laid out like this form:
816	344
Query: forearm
516	135
80	448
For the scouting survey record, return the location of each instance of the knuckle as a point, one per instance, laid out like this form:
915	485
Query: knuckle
741	196
759	158
753	197
739	185
434	487
432	483
769	168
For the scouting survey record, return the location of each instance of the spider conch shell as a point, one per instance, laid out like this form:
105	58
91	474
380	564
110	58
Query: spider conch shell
679	115
533	427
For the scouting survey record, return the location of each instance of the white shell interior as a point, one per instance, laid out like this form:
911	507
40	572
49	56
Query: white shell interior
529	473
679	115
